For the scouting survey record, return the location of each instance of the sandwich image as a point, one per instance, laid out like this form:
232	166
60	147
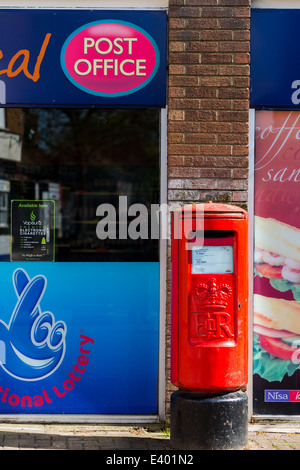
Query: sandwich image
276	337
277	254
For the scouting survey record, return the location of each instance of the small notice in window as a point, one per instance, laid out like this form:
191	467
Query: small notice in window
212	259
32	230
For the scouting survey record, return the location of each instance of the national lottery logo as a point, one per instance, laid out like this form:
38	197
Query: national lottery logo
33	343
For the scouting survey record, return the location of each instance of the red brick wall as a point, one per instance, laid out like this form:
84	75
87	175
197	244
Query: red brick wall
209	42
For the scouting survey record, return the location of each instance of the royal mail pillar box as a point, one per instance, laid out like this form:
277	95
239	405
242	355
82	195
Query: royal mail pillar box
209	326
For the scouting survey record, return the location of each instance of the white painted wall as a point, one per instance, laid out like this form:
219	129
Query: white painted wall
284	4
107	4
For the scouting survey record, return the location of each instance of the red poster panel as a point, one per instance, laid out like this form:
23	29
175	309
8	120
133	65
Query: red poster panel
276	348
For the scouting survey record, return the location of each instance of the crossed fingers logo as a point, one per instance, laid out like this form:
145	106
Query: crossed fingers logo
32	343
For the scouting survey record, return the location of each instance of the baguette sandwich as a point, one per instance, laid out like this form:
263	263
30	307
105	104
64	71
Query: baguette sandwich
276	336
277	254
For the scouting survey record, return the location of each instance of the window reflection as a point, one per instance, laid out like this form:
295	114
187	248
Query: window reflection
81	158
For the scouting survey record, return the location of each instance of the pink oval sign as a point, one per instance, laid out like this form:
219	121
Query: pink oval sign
110	58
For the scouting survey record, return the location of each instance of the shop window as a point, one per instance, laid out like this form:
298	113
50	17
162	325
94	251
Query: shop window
82	159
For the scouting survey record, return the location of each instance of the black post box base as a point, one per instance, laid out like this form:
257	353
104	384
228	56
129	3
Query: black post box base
208	421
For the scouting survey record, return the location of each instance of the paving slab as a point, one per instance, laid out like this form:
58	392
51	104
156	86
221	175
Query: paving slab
123	438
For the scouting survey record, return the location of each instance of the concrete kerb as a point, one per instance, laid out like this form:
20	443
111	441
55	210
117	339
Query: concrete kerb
128	437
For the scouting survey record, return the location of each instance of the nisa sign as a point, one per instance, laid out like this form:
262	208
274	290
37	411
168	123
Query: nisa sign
282	395
84	58
277	395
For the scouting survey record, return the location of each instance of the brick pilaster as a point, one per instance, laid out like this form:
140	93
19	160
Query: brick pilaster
209	44
209	55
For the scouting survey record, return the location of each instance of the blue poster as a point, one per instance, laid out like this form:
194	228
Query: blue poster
79	337
274	64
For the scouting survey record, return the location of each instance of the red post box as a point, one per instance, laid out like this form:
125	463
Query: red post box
209	314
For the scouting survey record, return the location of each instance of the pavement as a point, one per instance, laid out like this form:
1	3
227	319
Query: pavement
118	438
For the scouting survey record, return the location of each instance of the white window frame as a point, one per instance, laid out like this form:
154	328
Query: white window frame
2	118
282	4
250	237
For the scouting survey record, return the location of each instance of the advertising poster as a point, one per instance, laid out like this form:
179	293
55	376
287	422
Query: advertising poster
276	354
79	338
32	230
